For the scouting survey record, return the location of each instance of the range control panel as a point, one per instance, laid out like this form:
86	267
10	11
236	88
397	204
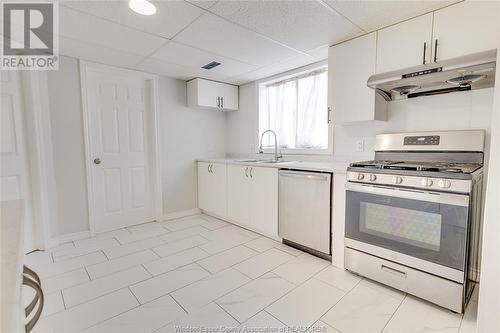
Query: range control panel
427	140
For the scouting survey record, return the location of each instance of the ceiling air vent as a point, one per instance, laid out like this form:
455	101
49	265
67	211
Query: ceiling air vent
211	65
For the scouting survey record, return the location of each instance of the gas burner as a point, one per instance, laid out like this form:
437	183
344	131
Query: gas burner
442	167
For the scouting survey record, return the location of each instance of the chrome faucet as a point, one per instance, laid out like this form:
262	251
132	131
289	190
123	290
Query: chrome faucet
261	151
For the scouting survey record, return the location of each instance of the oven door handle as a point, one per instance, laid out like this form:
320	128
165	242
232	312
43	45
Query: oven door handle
461	200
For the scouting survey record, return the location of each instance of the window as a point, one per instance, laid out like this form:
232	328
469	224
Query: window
295	108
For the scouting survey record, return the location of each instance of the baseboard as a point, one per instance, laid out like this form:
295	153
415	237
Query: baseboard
184	213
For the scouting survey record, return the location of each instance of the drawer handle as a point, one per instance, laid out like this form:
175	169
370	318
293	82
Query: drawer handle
393	271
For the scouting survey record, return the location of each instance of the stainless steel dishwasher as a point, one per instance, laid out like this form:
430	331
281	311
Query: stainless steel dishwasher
305	210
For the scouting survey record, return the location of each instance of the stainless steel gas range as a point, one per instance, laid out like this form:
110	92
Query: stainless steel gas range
413	215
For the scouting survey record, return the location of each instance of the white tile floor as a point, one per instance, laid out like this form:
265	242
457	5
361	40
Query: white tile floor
202	272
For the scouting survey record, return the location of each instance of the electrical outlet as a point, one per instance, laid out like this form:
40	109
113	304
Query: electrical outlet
360	145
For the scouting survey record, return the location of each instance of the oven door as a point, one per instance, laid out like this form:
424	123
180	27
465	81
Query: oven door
431	226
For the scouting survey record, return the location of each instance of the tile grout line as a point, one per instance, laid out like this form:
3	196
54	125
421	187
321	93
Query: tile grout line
101	295
239	323
62	296
392	316
128	287
269	313
310	278
154	276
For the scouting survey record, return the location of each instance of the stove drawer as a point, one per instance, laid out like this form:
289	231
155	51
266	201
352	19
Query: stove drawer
437	290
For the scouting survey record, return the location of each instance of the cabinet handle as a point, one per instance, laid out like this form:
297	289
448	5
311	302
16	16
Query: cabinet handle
222	102
435	50
246	172
328	112
251	172
425	49
208	168
218	102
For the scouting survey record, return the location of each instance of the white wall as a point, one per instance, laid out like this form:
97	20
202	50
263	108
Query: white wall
489	290
242	124
464	110
68	146
186	134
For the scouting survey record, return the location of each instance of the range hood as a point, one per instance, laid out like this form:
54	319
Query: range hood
474	71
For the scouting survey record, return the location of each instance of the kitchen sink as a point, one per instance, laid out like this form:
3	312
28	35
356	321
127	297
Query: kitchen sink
247	161
260	161
272	161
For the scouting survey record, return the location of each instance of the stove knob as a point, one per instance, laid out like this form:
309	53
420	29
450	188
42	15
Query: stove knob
426	182
361	176
444	183
397	179
373	178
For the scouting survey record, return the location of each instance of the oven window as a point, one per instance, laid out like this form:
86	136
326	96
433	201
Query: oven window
427	230
409	226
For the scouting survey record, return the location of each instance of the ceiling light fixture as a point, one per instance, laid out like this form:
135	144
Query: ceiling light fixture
143	7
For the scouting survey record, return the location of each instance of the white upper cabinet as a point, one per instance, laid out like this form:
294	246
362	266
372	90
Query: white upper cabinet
465	28
405	45
208	94
350	64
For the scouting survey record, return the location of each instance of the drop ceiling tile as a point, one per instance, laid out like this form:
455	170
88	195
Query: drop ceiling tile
170	18
319	53
159	67
188	56
373	15
218	36
303	25
205	4
97	53
87	28
276	68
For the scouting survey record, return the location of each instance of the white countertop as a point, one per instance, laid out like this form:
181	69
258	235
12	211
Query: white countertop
12	256
323	166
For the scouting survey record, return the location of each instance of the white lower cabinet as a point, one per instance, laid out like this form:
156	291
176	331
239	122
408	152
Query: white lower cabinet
252	198
245	195
264	200
239	196
212	189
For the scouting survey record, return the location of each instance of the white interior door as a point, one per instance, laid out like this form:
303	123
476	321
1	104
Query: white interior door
118	109
14	172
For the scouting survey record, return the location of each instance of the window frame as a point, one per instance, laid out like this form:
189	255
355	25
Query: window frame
260	86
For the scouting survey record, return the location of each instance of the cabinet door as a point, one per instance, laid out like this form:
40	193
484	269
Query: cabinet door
465	28
238	194
264	201
229	93
207	93
218	197
203	186
350	64
403	45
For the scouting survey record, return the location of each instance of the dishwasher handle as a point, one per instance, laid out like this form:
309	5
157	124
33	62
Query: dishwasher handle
303	175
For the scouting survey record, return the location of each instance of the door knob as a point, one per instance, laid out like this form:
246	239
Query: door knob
97	160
